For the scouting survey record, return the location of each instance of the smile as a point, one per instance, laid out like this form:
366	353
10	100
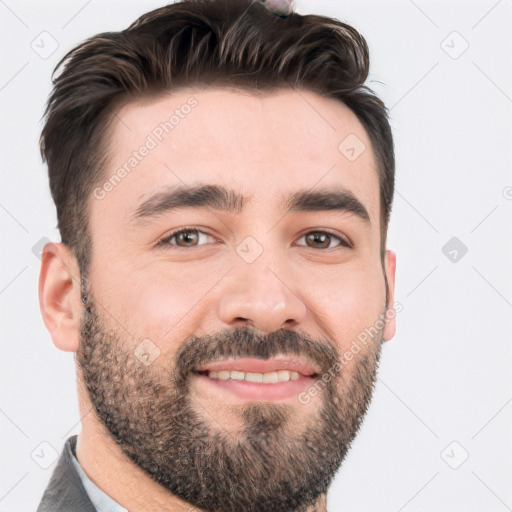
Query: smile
257	379
266	378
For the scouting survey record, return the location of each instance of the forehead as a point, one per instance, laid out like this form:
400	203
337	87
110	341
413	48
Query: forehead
264	146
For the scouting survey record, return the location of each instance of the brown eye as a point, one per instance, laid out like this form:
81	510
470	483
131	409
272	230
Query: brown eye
185	238
322	240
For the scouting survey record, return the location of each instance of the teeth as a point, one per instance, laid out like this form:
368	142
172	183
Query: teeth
254	377
284	375
267	378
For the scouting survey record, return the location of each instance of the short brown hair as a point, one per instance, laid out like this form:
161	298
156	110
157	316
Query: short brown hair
239	43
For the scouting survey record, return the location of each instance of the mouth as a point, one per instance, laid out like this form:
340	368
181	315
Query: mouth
256	379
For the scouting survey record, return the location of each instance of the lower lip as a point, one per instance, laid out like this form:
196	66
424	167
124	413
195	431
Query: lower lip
258	390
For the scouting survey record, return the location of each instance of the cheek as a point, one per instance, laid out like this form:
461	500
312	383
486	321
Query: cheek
162	300
348	302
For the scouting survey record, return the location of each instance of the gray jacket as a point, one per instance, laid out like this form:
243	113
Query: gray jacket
65	492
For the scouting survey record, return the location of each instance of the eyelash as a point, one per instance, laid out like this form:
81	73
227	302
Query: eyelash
166	239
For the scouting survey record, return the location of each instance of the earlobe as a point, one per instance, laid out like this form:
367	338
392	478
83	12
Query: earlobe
59	295
390	327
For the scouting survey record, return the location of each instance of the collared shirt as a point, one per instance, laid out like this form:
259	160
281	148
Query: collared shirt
101	501
70	490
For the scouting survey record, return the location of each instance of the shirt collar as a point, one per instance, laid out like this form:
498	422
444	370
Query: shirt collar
101	501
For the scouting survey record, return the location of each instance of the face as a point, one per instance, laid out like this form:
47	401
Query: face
234	302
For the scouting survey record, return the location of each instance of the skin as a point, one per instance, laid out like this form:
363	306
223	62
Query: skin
263	147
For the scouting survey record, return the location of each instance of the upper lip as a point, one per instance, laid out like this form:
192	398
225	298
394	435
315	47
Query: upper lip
250	364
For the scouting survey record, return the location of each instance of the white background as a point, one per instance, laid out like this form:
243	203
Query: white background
446	375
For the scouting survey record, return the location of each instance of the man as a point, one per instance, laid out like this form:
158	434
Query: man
223	183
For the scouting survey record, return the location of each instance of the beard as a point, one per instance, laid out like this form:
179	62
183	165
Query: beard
266	465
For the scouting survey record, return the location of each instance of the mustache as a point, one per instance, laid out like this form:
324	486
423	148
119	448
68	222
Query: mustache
247	342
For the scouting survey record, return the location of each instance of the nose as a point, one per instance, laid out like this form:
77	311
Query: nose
257	296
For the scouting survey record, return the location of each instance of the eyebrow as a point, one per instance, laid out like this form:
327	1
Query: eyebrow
223	199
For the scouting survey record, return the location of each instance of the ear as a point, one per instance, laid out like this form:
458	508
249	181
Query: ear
59	295
390	267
